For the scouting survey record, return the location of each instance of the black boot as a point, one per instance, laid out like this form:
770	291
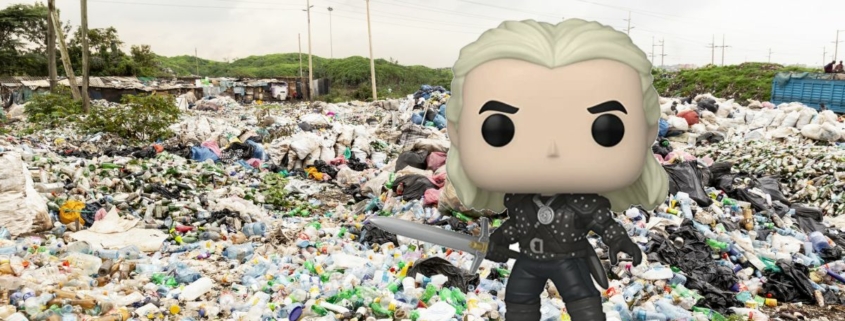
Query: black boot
522	312
586	309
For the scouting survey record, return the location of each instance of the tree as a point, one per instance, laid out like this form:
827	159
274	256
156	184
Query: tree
144	60
23	30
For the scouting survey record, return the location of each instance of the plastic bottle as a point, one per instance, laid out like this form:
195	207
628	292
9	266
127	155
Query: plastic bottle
643	315
671	311
255	229
819	241
5	234
685	202
632	291
196	289
238	252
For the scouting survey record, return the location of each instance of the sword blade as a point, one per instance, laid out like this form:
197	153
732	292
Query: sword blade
426	233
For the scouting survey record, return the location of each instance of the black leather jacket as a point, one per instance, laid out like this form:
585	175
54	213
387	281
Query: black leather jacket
575	215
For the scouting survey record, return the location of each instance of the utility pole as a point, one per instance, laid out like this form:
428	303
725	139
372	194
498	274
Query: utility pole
310	61
770	55
51	45
197	60
652	50
824	55
713	51
71	77
836	45
723	49
299	40
86	103
662	52
372	62
628	30
331	41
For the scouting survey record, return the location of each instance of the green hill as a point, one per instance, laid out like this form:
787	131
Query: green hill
350	77
752	80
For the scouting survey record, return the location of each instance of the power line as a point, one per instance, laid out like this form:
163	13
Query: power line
188	6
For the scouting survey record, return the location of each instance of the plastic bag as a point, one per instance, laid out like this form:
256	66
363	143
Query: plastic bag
413	159
663	127
686	177
764	118
826	132
456	277
678	123
304	144
791	119
827	116
805	118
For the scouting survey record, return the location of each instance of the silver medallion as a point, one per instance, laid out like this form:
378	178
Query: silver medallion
545	215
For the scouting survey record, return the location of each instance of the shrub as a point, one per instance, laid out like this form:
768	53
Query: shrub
53	109
139	118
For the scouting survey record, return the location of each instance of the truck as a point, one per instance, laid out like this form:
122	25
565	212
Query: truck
811	89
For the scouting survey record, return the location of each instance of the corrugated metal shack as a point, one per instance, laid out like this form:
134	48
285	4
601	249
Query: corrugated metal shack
22	89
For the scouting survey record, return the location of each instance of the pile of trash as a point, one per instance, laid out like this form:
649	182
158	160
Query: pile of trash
262	214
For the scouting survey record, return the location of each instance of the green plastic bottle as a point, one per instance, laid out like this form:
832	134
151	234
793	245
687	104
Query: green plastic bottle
380	310
430	291
110	166
415	315
310	267
446	296
721	246
321	311
712	315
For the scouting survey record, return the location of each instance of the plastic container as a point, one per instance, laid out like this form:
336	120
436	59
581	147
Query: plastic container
239	252
196	289
255	229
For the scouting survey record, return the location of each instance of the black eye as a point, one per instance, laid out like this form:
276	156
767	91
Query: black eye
608	130
497	130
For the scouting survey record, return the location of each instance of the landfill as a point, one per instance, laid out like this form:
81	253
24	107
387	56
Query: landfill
261	213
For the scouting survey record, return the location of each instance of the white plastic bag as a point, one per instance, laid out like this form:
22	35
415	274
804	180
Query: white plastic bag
22	209
764	118
806	117
791	119
305	143
678	123
827	116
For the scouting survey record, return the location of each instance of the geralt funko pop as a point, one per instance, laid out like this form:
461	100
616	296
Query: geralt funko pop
554	124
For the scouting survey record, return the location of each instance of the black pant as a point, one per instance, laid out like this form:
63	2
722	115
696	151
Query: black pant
571	278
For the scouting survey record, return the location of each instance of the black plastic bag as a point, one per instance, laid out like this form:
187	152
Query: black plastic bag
456	277
413	186
710	138
413	159
686	177
708	104
809	218
718	170
373	235
791	285
694	259
771	185
757	202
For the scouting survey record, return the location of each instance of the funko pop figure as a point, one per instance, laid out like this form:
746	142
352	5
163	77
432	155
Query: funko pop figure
554	124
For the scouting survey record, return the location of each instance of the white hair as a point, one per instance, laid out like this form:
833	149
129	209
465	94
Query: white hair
553	46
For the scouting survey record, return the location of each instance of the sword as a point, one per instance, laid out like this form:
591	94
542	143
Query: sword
435	235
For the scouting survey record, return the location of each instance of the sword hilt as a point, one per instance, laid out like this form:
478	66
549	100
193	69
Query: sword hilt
480	246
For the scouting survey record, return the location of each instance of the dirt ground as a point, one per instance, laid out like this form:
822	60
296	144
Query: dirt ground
806	312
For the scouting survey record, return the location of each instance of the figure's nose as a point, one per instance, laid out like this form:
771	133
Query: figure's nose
552	152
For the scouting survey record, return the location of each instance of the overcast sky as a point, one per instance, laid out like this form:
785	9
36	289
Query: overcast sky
432	35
